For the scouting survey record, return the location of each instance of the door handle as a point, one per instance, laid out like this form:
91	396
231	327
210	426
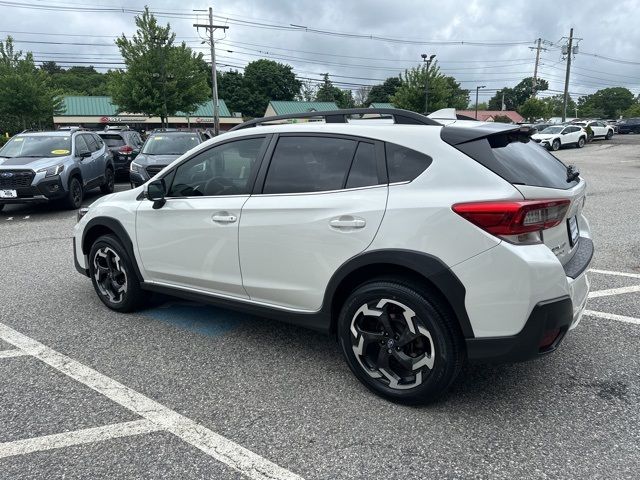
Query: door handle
348	222
223	218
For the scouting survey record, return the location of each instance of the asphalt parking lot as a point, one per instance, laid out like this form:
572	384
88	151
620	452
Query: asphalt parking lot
188	391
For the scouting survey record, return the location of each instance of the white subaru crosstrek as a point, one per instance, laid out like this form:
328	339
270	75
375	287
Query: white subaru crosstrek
419	244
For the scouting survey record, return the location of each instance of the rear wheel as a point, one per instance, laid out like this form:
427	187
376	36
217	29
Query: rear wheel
581	142
113	276
75	194
400	341
109	181
555	145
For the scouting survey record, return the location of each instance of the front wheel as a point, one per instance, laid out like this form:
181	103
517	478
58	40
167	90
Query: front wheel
581	142
400	341
555	145
109	181
609	135
113	276
75	194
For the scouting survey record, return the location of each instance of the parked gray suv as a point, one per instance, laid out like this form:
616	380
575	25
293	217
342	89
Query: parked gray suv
38	167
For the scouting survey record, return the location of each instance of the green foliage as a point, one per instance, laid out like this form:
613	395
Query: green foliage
383	93
77	80
502	119
444	91
555	103
481	106
533	109
262	81
161	78
606	103
516	96
633	111
328	92
26	97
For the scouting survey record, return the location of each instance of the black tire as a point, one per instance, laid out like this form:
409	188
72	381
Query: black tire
409	367
75	194
609	135
113	276
109	181
555	145
581	142
1	206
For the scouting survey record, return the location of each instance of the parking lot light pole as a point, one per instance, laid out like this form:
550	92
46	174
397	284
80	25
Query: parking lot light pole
427	59
477	90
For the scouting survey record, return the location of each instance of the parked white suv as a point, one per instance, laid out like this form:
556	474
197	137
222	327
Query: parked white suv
418	245
557	136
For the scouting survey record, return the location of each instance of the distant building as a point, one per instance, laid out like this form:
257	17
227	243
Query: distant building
280	107
490	115
99	111
381	105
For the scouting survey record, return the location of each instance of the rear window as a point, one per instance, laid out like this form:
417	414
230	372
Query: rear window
112	140
519	160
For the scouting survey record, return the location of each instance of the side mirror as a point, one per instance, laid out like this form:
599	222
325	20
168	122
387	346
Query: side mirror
156	192
86	154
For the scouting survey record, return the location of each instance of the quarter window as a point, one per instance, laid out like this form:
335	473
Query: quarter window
309	164
404	164
222	170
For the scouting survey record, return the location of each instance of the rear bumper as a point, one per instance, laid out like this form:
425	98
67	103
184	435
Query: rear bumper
546	319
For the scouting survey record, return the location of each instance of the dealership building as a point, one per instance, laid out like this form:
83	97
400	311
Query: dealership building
96	112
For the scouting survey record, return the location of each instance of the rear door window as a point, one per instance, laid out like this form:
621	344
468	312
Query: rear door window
309	164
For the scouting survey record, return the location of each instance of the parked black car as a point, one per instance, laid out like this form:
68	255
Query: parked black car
160	149
124	144
629	125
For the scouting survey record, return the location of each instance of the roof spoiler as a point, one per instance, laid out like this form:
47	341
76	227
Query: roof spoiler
448	114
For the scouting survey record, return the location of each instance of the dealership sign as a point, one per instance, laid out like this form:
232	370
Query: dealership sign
120	119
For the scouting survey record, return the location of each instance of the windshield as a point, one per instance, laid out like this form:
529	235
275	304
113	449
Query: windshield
171	144
552	130
37	146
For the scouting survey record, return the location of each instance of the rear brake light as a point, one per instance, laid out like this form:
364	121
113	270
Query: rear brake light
126	149
514	218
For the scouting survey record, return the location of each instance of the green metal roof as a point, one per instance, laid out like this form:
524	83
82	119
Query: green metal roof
382	105
285	107
95	106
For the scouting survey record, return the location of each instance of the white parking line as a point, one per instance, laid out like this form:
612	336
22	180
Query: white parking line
77	437
222	449
612	316
614	291
611	272
15	352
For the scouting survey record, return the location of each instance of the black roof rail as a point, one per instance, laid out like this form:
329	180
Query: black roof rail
404	117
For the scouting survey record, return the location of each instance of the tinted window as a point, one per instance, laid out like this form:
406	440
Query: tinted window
170	143
404	164
81	145
222	170
309	164
363	171
91	142
99	141
112	139
519	160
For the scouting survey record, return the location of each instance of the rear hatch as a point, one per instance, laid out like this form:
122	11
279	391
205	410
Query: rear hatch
509	152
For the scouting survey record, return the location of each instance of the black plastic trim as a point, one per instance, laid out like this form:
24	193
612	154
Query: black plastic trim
119	231
81	270
545	316
581	258
455	135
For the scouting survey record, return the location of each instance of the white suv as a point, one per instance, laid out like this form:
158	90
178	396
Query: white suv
418	245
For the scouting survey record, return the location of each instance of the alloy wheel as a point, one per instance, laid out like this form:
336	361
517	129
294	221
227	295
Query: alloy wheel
391	345
110	275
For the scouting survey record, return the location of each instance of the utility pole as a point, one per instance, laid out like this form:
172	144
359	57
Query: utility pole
535	69
210	27
477	89
566	78
427	59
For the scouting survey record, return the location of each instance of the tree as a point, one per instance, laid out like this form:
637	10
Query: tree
26	97
361	96
533	109
444	91
608	102
383	93
307	92
328	92
516	96
268	80
77	80
555	106
633	111
161	78
502	119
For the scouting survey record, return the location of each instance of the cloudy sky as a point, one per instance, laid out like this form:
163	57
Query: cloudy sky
488	42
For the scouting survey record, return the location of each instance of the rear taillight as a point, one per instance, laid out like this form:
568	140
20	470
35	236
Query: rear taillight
515	221
126	149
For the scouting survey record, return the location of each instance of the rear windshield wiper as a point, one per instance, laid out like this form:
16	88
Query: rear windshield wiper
572	173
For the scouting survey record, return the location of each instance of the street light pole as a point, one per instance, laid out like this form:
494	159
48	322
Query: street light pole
427	59
477	90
